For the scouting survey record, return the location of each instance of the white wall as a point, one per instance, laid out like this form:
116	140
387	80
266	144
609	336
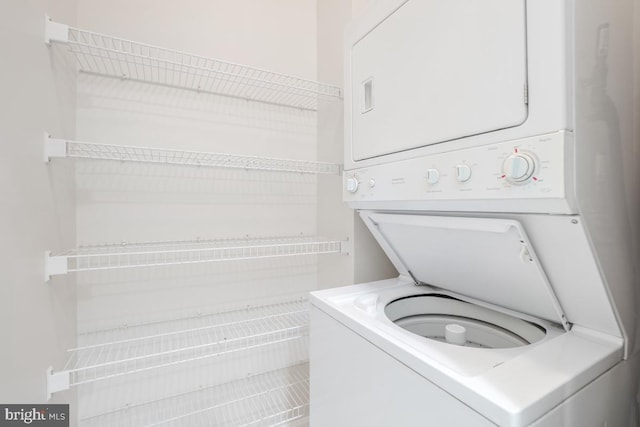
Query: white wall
136	203
333	215
370	262
607	151
38	200
128	202
277	35
366	261
118	202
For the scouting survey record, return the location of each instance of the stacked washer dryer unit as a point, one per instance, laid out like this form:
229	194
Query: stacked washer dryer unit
489	150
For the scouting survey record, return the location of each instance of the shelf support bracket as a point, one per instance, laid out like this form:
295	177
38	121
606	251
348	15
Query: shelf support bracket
56	381
54	265
55	32
54	147
345	247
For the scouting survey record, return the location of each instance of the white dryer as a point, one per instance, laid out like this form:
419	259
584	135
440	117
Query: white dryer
487	151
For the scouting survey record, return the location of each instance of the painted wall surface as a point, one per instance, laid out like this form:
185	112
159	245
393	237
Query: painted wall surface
134	203
276	35
607	150
370	262
69	203
126	202
366	261
38	201
332	16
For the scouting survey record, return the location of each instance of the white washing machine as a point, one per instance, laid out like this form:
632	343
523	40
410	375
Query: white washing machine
489	152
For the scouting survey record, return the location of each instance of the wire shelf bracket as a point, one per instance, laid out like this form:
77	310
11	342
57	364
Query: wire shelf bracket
54	265
54	148
346	247
55	32
110	56
56	381
153	254
63	148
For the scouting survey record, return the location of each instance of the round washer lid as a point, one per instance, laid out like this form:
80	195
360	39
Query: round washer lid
487	259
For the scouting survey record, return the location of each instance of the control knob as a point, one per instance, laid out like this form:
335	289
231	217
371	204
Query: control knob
463	173
518	167
352	184
433	176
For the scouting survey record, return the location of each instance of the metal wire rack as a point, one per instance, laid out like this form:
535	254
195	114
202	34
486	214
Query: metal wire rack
268	399
88	150
132	255
131	349
106	55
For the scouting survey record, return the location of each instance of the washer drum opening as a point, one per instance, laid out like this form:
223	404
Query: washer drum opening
456	322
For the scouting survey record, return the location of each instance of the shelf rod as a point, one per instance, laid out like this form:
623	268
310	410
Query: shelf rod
254	80
105	55
113	257
63	148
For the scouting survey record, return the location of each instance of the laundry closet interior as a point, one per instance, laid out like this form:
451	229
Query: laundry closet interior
321	212
187	198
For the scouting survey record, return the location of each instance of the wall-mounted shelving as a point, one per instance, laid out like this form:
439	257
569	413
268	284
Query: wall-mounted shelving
131	349
106	55
56	148
272	398
132	255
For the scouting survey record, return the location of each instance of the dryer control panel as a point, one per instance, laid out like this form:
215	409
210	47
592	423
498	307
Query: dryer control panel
526	175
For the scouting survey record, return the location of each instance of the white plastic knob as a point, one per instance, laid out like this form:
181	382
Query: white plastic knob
352	185
455	334
463	173
518	167
433	176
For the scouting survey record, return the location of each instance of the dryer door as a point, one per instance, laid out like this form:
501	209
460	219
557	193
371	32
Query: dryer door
487	259
438	70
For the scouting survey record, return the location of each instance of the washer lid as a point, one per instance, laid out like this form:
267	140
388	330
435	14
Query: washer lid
488	259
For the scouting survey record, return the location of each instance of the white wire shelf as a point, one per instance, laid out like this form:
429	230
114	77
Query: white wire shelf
131	349
268	399
102	54
151	254
87	150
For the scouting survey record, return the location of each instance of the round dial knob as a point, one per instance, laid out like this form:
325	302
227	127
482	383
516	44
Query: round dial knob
518	167
433	176
463	173
352	184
